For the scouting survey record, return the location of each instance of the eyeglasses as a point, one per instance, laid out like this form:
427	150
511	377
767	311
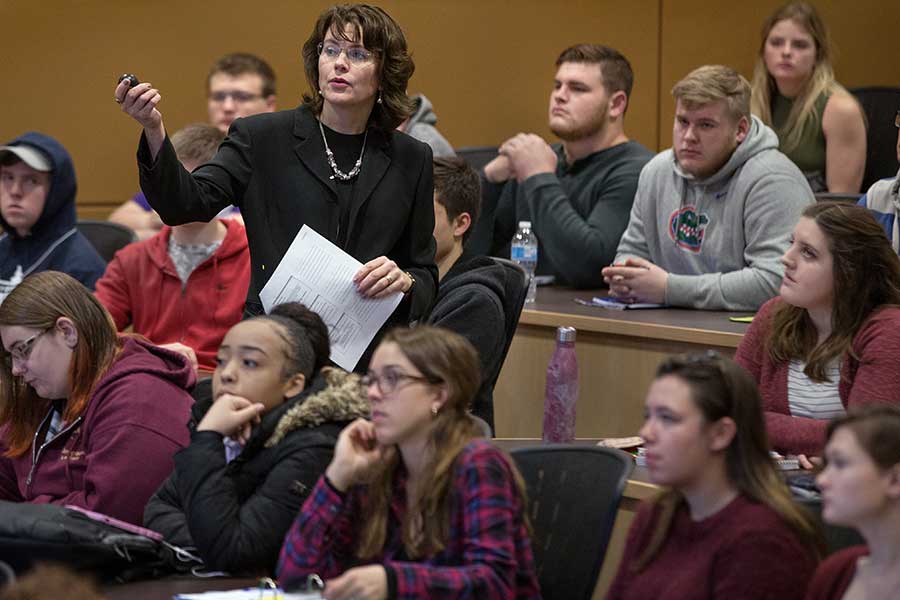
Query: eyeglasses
389	380
355	54
22	351
238	96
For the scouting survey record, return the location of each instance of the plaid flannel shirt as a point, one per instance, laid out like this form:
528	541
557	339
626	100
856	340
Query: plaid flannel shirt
487	557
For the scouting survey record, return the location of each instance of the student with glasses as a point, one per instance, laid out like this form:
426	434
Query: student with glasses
335	163
831	339
414	495
725	527
86	418
239	85
883	198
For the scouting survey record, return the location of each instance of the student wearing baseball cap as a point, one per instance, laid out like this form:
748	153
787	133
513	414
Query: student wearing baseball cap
37	214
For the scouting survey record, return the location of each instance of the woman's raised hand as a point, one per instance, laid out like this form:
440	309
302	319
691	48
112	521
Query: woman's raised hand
140	103
356	456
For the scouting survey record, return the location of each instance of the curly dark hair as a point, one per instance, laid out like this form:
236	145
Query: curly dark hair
383	37
306	344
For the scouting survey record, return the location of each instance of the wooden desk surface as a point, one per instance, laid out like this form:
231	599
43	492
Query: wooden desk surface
555	306
618	353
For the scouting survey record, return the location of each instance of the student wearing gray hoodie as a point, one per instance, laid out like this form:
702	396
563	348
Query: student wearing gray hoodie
422	125
713	214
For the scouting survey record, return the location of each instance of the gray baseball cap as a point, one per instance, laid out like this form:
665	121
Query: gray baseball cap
29	155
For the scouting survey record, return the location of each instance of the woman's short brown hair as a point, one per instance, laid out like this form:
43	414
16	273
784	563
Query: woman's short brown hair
382	36
877	430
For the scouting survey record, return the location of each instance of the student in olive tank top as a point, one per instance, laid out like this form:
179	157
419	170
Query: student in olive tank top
820	125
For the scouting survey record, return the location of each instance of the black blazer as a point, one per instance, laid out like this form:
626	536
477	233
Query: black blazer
273	167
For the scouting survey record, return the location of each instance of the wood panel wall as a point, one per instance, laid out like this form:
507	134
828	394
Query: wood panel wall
486	65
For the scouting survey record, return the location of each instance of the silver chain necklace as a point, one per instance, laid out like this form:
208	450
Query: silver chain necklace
330	155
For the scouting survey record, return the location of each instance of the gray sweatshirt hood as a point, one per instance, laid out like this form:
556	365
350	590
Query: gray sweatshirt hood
424	111
759	139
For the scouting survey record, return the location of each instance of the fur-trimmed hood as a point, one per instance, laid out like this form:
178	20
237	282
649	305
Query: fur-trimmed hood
341	398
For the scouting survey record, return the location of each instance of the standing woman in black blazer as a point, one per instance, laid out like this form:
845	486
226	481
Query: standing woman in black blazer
335	163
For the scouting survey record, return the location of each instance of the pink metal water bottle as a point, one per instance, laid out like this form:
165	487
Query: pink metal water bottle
561	391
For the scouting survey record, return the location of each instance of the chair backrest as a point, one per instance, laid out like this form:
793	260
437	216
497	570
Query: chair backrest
516	289
477	156
573	497
880	105
837	537
483	426
7	575
106	237
838	197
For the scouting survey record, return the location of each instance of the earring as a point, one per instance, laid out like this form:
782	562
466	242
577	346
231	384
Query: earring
320	93
379	97
434	410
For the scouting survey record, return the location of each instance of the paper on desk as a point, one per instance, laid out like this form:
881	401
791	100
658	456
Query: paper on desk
250	594
320	275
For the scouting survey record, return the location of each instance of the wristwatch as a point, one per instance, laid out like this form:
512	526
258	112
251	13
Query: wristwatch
412	282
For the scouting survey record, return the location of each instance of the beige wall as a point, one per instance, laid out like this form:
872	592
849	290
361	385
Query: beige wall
697	32
487	65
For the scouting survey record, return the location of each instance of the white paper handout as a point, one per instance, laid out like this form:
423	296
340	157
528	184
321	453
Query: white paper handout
320	275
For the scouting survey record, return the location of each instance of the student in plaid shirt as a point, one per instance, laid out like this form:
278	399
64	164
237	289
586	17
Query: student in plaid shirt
414	504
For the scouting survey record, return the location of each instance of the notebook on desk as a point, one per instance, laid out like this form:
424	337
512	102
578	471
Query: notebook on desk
617	304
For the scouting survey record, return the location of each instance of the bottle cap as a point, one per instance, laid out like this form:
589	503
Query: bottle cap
565	334
525	224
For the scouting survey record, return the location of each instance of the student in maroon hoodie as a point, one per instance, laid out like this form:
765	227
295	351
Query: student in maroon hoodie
726	527
861	489
86	417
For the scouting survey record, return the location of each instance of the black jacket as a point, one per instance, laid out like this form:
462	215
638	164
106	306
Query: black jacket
480	300
237	514
273	167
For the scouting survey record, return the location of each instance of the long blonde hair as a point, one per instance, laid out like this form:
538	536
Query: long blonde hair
447	359
802	116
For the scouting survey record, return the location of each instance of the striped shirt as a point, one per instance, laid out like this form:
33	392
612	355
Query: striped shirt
811	399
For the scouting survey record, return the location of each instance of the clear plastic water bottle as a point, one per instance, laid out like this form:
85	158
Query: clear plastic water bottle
525	252
561	391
